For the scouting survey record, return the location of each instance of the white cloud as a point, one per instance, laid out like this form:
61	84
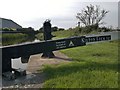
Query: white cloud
27	9
23	11
27	12
97	0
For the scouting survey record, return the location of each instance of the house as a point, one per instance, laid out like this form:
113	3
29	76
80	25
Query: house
8	23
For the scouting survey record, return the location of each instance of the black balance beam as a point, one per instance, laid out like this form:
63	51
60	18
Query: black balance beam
25	50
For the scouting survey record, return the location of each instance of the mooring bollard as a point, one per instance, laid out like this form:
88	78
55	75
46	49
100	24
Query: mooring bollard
47	36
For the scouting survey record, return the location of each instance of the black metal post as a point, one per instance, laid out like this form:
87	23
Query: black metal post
6	64
47	36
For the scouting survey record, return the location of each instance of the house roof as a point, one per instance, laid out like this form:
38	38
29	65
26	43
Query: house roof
11	21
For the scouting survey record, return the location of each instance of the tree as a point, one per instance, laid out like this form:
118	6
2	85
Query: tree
91	15
41	29
55	28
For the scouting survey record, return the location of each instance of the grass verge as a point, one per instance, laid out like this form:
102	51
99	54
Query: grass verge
93	66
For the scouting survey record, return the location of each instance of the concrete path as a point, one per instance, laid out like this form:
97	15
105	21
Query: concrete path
35	77
37	63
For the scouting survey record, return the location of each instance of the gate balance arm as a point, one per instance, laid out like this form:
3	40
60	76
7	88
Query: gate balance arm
22	50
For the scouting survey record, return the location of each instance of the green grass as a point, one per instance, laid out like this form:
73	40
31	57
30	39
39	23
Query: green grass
59	34
93	66
70	33
66	33
39	36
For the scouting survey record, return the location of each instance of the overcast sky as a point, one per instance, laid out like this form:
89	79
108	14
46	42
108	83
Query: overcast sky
62	13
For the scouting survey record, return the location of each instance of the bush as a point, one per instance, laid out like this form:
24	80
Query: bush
7	29
104	29
61	29
30	31
54	28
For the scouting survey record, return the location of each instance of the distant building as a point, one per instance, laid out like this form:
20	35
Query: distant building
7	23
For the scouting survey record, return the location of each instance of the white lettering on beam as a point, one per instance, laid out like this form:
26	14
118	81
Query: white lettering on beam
61	44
